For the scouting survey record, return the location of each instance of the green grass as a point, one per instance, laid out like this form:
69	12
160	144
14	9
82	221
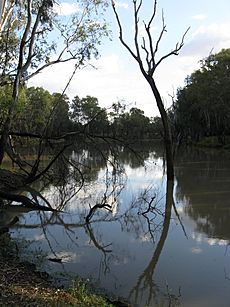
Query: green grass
86	297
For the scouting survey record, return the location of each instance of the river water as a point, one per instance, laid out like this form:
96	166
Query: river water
133	250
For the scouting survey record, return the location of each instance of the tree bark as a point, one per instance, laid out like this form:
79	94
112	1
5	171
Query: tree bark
167	130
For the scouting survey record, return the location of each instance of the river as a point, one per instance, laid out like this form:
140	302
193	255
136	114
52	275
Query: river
131	249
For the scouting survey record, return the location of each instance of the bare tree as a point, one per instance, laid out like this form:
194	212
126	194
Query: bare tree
144	53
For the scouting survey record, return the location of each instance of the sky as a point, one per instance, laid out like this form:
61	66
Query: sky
117	76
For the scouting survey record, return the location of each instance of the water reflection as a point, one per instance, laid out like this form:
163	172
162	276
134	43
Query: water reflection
203	181
146	287
138	249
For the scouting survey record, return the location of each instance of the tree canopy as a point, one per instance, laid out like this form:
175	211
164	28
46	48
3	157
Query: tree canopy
202	106
27	46
38	110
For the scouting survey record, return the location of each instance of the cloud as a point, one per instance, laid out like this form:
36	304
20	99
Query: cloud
119	78
66	256
199	17
207	38
196	250
65	8
110	82
39	237
123	5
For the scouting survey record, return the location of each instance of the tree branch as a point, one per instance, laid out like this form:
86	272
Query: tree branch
175	51
121	33
32	38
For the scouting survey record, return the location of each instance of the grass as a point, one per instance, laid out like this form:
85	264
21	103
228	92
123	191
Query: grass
22	285
78	295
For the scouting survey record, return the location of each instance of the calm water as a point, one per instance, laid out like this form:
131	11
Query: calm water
146	258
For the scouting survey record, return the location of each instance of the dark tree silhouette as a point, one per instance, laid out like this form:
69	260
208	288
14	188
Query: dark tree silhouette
145	54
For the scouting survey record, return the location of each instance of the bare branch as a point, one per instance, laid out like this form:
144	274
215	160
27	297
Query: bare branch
121	33
175	51
148	73
161	34
151	63
136	56
153	14
147	54
136	20
27	203
45	66
36	177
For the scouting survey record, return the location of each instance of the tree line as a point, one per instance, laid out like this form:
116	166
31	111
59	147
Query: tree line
38	110
201	109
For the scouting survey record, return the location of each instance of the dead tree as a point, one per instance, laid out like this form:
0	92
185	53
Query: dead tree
145	55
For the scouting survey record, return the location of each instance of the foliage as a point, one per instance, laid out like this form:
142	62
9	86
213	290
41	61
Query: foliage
86	111
30	26
202	107
132	124
27	46
81	292
38	110
59	117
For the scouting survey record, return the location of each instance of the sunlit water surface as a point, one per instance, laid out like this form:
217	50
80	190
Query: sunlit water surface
124	251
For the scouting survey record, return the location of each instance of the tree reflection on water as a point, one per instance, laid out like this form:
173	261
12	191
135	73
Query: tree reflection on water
145	285
91	180
207	197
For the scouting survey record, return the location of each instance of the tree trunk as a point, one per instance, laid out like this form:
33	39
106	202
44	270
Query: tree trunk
167	130
4	139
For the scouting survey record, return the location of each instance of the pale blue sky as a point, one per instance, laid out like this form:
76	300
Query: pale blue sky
118	76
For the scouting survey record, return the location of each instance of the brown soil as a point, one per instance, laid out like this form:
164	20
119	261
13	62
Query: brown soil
21	285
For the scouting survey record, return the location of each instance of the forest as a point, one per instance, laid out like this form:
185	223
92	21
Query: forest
36	107
103	191
199	112
201	108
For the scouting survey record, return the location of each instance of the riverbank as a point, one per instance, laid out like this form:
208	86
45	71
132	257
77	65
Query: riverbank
22	285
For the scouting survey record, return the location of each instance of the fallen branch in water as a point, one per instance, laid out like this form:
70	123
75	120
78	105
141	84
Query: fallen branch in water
25	201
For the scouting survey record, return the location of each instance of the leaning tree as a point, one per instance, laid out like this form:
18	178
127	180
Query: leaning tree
33	36
145	52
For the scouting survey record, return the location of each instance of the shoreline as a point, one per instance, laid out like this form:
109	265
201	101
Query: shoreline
22	285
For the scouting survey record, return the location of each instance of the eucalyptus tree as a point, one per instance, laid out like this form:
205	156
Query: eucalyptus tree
37	109
132	124
145	52
33	37
60	122
86	113
202	105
